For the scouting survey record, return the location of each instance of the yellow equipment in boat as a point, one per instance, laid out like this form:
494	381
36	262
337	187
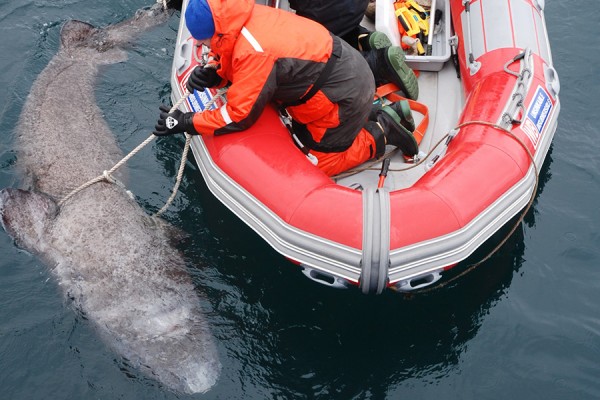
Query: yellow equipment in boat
413	21
410	25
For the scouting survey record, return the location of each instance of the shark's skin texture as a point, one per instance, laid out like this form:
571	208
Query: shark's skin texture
113	262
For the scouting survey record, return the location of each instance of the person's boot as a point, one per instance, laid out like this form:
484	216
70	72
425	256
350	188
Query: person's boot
373	41
402	109
393	120
376	130
387	65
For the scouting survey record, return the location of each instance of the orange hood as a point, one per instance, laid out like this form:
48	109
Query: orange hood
230	17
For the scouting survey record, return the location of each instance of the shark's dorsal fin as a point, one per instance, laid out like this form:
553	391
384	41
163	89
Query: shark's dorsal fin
74	32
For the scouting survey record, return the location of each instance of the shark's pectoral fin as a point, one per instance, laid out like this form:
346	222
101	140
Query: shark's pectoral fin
24	215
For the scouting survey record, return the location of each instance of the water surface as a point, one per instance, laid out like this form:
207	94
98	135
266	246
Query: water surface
524	325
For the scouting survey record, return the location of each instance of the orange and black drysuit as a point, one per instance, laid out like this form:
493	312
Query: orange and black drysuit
269	55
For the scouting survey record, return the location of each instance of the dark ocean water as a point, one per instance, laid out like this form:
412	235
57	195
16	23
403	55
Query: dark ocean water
524	325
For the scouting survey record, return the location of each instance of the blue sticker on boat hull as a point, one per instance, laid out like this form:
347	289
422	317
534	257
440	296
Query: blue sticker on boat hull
199	99
537	115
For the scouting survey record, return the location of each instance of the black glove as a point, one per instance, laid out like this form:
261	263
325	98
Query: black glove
175	122
201	78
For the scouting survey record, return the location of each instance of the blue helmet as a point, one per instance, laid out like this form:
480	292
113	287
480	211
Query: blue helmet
199	19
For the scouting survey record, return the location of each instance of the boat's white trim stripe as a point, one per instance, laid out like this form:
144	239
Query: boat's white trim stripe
225	115
252	40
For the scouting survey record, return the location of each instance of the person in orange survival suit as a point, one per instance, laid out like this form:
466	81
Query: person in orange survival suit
267	55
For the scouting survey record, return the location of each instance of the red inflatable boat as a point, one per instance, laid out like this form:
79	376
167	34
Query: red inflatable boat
492	116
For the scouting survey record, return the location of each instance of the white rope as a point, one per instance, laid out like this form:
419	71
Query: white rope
186	148
188	141
107	175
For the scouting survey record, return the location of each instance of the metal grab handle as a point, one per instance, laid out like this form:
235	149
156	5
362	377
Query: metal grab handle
323	278
552	81
182	57
428	279
474	65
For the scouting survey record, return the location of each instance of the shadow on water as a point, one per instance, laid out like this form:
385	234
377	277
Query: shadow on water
283	335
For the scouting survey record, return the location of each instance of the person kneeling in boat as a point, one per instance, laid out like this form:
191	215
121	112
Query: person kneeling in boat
268	54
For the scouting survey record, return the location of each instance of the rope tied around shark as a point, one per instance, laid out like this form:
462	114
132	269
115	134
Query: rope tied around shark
106	175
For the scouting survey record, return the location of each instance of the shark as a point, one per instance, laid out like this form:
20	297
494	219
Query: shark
116	265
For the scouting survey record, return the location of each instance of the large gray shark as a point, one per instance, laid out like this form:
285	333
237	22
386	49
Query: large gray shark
114	263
